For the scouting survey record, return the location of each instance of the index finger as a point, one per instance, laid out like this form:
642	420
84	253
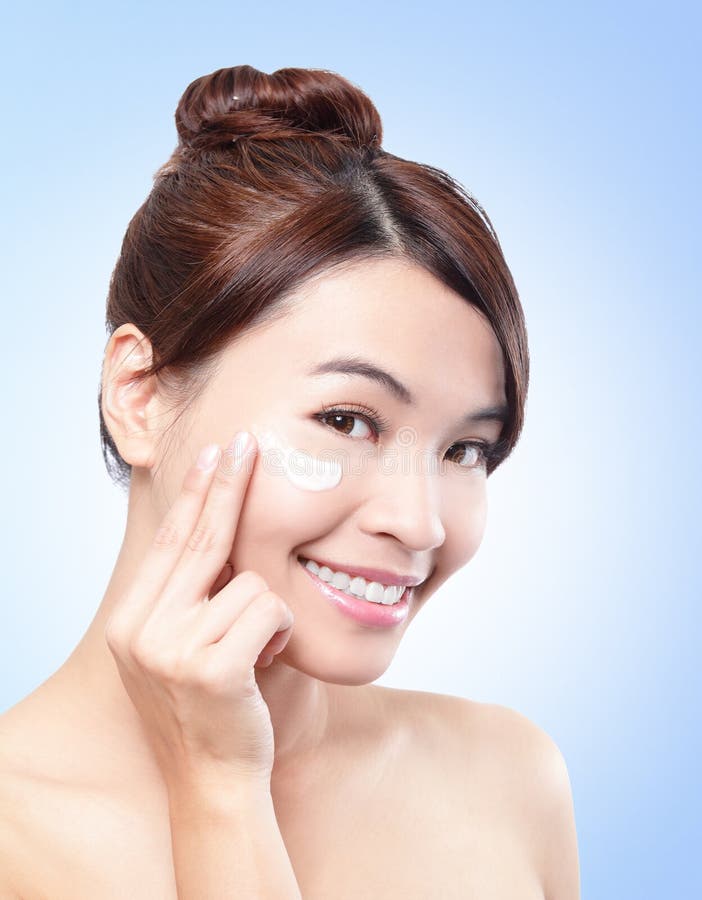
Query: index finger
197	532
209	544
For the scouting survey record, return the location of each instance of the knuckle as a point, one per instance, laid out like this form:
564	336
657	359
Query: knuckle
203	538
192	486
176	670
209	675
223	474
271	602
248	580
145	651
114	634
168	665
165	667
167	536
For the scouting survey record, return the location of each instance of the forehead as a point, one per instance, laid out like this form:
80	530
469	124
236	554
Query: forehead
397	313
389	313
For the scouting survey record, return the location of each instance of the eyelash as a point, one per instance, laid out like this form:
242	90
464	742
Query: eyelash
380	424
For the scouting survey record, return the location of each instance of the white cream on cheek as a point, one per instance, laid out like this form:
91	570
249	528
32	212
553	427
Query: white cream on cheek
309	473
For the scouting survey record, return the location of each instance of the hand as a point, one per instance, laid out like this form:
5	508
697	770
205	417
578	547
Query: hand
187	662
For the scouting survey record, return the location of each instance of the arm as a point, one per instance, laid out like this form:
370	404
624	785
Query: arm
227	843
561	870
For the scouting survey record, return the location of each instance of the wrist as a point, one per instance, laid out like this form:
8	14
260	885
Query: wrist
217	790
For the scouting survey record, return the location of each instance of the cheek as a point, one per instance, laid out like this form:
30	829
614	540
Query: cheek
464	520
465	523
276	516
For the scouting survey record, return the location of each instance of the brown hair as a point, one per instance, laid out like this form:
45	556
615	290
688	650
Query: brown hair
277	178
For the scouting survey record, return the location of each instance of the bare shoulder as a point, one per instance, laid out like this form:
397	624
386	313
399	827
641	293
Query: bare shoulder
507	770
33	797
526	767
527	760
495	740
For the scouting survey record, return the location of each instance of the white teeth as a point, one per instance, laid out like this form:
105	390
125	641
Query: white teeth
341	580
392	593
373	591
358	586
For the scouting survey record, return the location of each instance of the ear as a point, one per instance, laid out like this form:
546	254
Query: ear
130	410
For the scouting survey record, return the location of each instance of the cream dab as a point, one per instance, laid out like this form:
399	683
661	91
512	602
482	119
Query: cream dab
309	473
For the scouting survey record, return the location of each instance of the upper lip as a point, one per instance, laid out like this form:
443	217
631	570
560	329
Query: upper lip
380	575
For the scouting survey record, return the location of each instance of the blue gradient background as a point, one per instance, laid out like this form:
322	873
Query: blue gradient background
577	128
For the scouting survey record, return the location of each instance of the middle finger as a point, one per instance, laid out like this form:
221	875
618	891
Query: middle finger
209	545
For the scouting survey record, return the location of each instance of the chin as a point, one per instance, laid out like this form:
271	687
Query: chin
333	665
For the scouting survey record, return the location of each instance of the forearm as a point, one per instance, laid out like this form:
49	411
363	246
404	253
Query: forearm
227	843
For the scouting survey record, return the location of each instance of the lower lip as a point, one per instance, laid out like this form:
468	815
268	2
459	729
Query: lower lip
363	611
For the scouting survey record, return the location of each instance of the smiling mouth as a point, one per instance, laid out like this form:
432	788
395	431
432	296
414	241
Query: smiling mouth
382	576
368	613
356	586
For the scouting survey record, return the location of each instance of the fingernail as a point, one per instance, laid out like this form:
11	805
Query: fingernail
208	456
237	451
241	442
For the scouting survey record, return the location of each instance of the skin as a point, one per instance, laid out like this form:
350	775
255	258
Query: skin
489	813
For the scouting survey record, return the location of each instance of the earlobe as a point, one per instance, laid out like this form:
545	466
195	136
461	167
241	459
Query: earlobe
129	406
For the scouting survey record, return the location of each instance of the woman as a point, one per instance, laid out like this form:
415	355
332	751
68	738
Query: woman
216	731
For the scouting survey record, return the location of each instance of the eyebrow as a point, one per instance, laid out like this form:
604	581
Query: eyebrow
354	365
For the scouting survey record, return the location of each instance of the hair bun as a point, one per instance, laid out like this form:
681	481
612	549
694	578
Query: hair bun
241	101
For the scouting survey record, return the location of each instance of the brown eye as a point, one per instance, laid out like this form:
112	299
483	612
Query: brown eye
344	423
475	454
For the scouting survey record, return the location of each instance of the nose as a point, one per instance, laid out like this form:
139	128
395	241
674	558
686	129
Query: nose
404	500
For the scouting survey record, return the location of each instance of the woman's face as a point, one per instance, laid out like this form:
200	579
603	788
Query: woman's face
409	501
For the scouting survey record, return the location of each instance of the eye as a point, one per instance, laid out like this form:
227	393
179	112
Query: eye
343	421
469	455
476	453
